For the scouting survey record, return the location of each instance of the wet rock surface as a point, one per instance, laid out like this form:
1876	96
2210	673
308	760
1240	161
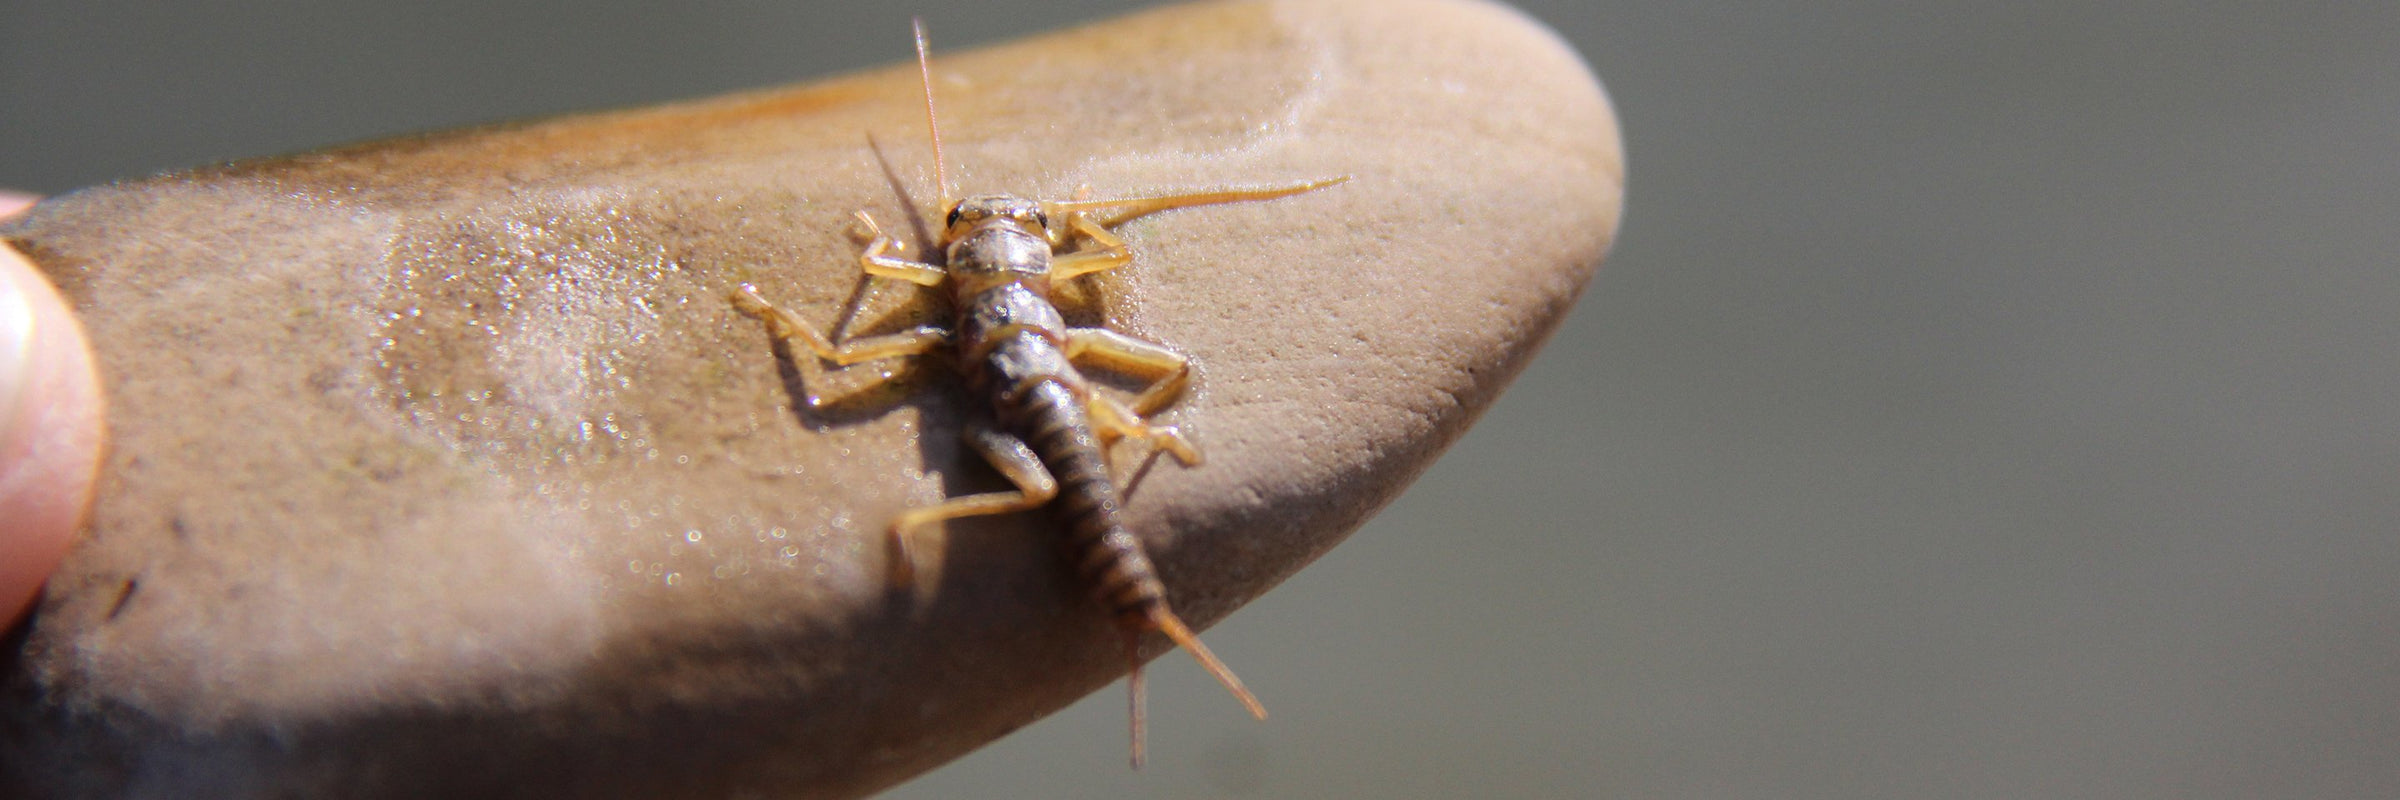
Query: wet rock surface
442	466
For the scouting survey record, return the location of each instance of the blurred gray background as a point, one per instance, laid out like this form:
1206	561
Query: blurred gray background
1983	400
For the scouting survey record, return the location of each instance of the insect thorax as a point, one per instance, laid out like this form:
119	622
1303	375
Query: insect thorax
998	250
1003	308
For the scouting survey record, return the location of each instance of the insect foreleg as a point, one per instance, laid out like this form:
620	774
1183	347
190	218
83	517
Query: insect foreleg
1111	254
877	258
1013	459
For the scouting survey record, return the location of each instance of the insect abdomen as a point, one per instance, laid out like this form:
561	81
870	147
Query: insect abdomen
1107	556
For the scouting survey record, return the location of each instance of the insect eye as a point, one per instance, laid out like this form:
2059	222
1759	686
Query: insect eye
952	221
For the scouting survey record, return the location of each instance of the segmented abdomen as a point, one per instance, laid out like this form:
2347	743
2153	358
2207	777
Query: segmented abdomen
1052	420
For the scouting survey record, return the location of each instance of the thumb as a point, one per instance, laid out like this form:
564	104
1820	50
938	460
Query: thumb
49	427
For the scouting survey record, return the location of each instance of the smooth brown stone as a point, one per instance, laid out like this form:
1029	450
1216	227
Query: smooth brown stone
443	467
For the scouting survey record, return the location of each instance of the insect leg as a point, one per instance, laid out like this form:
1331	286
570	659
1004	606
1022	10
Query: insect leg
1168	371
785	325
1111	254
1013	459
1113	421
875	261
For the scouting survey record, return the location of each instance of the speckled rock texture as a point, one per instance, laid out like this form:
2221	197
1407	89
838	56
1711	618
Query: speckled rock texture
442	466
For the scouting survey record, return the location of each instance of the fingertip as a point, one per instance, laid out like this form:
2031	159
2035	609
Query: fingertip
50	429
13	203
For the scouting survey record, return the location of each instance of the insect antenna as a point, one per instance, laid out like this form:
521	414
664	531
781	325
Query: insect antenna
1127	208
933	126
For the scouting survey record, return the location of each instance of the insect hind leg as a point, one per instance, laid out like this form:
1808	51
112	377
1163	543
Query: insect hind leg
1013	459
1113	421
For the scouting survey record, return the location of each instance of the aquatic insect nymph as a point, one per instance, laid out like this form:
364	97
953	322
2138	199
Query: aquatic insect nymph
1049	427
